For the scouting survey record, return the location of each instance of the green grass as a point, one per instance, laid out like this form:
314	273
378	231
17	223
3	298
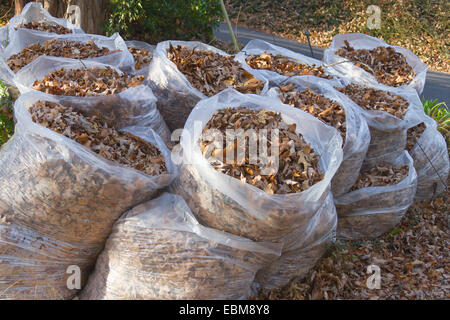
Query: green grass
440	113
6	119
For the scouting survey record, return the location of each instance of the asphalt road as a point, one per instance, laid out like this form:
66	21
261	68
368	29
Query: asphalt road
437	85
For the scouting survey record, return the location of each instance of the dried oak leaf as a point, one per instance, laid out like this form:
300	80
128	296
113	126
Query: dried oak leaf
142	57
298	168
326	110
46	27
384	63
413	135
57	48
284	66
211	72
381	175
95	134
373	99
86	82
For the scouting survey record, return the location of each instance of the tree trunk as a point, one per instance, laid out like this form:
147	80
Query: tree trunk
19	4
89	15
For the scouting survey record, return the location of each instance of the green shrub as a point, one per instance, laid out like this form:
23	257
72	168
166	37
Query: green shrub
155	21
6	120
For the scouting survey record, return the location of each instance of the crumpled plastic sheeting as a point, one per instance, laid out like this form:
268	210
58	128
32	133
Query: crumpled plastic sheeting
159	250
370	212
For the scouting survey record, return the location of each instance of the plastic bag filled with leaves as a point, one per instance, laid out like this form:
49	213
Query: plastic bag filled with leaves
143	55
37	19
183	73
26	46
124	99
428	149
277	64
389	112
318	98
378	201
253	204
159	250
60	193
373	61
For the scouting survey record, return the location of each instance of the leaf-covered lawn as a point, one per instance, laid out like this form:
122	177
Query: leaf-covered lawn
414	260
422	26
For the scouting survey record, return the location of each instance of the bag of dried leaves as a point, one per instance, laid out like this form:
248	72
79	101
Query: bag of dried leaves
280	196
183	73
122	99
159	250
389	112
143	55
65	177
428	149
318	98
277	64
26	46
378	200
373	61
34	17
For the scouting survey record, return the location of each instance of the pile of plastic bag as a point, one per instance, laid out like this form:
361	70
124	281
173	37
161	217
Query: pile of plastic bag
215	236
59	201
303	222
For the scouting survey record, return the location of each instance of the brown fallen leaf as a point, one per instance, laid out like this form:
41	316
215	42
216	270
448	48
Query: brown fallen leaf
327	110
86	82
298	162
381	176
46	27
211	72
284	66
373	99
384	63
57	48
95	134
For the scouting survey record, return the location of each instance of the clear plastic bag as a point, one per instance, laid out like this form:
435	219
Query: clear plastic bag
3	38
370	212
431	162
141	45
303	251
58	203
23	38
34	12
225	203
363	41
135	106
158	250
357	136
176	95
257	47
387	132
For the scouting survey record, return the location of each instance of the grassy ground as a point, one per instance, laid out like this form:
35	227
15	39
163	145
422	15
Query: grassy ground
422	26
